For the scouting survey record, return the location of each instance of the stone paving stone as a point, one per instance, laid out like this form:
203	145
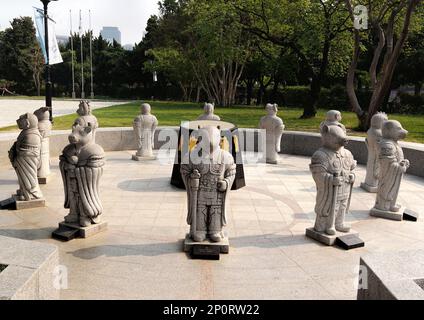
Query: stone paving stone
140	256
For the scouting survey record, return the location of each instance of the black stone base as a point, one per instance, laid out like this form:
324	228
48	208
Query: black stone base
410	215
8	204
65	233
349	242
205	252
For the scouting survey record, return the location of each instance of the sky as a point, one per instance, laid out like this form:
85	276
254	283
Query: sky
130	16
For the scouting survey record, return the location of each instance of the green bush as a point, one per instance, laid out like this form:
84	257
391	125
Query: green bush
411	104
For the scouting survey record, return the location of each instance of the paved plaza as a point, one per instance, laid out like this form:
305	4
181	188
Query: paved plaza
140	256
11	109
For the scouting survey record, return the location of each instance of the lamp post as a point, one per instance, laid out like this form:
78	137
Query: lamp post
47	70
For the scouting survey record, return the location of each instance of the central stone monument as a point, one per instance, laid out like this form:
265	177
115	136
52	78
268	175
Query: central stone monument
144	130
230	142
393	166
332	169
25	159
208	177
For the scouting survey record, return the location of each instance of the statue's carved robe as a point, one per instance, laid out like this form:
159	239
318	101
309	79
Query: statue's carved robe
81	180
391	173
372	142
144	129
274	127
25	158
206	116
221	168
325	165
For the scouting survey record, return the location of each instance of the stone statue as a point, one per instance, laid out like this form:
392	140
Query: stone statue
81	165
274	127
86	118
44	126
208	178
372	142
332	169
392	167
144	129
333	118
25	158
208	114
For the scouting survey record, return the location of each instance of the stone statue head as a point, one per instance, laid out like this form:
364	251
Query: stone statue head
212	135
393	130
209	108
42	114
81	135
334	137
334	115
146	109
378	119
27	121
272	109
84	108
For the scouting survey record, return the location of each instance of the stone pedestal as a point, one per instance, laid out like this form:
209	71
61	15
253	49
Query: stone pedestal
206	248
327	239
22	205
138	158
83	232
369	188
390	215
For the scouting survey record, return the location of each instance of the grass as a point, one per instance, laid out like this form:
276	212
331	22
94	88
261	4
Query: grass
172	113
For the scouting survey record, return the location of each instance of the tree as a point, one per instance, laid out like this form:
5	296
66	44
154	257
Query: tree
391	21
19	52
315	31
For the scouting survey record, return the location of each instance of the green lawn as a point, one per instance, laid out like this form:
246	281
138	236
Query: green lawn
172	113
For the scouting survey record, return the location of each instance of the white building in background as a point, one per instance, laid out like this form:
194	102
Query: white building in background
128	47
62	39
111	33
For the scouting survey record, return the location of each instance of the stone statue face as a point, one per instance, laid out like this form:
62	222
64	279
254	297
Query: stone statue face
334	137
378	120
84	109
213	137
27	121
209	108
42	114
146	108
81	135
393	130
272	109
334	115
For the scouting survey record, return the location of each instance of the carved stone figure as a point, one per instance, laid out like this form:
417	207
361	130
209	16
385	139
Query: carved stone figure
208	177
144	129
274	127
81	165
208	114
333	118
372	142
86	118
25	158
392	167
44	126
332	169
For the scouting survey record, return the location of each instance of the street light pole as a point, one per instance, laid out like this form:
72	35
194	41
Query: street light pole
47	67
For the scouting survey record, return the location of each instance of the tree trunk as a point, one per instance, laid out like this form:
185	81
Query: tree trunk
417	88
249	91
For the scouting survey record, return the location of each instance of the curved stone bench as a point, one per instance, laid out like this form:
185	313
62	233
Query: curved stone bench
293	142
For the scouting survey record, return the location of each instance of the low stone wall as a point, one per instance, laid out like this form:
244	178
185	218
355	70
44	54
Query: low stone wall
296	143
30	270
392	276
